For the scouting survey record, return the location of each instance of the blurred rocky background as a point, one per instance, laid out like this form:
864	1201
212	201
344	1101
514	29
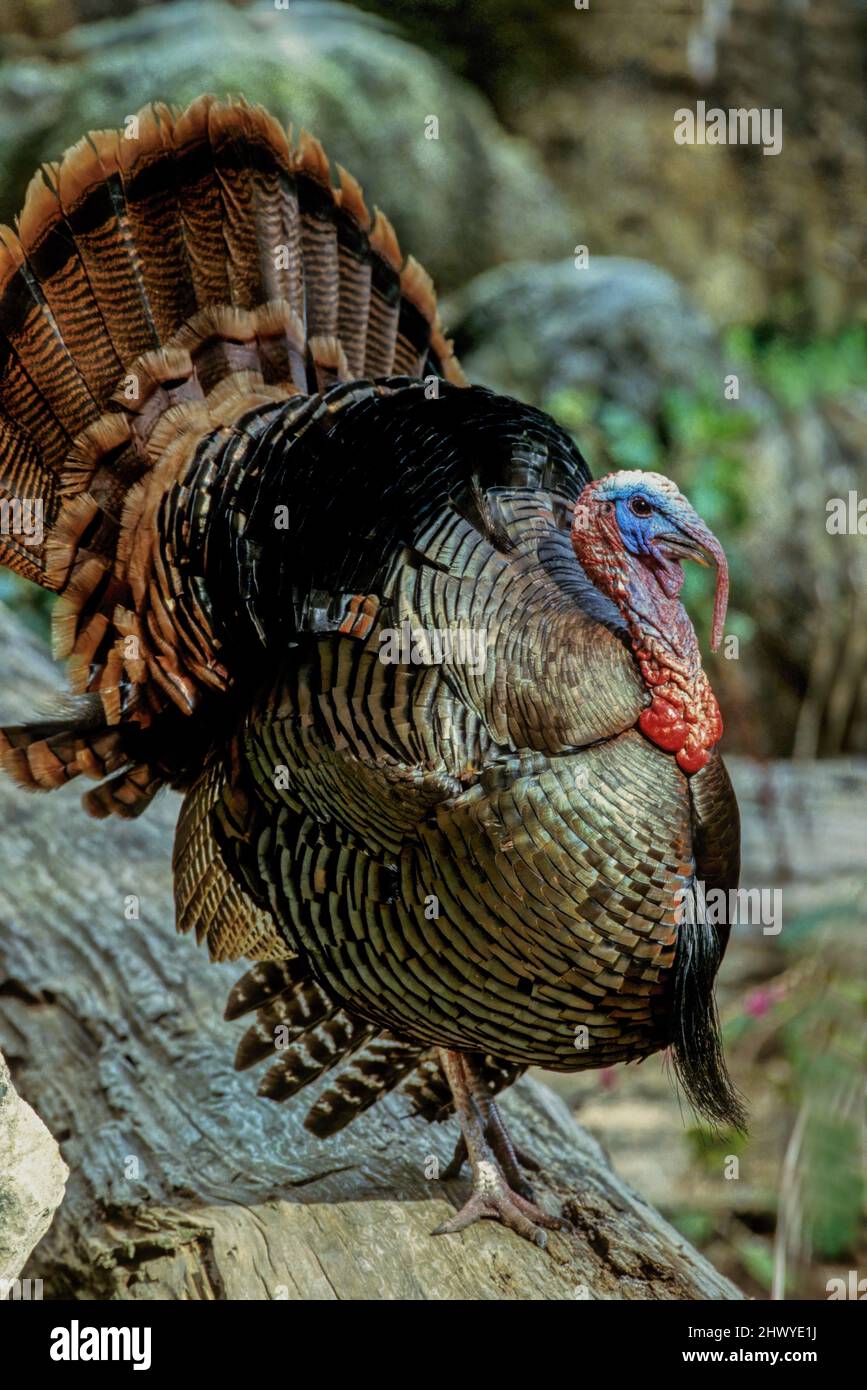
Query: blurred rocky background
698	309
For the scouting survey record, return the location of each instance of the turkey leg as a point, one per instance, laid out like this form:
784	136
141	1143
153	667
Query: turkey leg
493	1196
511	1159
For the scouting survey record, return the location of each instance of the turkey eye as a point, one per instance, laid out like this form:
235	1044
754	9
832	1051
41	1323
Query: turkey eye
640	506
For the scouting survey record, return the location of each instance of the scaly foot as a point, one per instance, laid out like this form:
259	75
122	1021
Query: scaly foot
497	1178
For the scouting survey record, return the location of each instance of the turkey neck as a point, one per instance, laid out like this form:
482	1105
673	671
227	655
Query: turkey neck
683	716
663	638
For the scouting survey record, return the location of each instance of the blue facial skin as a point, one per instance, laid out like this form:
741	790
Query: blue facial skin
639	531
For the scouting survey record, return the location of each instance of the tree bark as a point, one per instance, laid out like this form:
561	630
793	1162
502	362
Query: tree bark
183	1184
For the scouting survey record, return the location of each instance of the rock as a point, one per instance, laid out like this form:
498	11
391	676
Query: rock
32	1180
755	238
460	202
620	327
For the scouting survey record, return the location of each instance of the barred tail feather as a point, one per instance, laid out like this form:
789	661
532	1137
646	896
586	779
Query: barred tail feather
162	282
307	1033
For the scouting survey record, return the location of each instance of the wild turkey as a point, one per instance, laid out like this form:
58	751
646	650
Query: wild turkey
269	503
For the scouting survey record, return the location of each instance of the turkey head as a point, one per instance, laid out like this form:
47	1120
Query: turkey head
630	532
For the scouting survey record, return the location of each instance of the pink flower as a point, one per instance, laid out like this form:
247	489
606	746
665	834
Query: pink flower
760	1001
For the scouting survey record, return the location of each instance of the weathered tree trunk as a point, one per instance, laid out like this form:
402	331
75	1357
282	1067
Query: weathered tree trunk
183	1184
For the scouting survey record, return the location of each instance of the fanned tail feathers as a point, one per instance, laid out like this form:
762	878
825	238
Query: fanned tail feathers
162	282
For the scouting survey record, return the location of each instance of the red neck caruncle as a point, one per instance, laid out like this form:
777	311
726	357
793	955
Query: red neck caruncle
683	716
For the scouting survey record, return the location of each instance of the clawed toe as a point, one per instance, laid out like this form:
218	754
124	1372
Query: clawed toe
527	1160
492	1200
500	1191
458	1159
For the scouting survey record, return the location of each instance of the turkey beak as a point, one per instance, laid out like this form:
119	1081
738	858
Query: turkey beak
693	541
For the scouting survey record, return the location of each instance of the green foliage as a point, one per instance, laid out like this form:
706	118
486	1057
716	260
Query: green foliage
711	1148
799	372
32	604
573	408
632	442
809	1023
823	1039
757	1258
833	1183
797	1042
695	1226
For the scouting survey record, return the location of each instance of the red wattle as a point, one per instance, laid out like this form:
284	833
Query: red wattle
664	730
692	759
687	730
